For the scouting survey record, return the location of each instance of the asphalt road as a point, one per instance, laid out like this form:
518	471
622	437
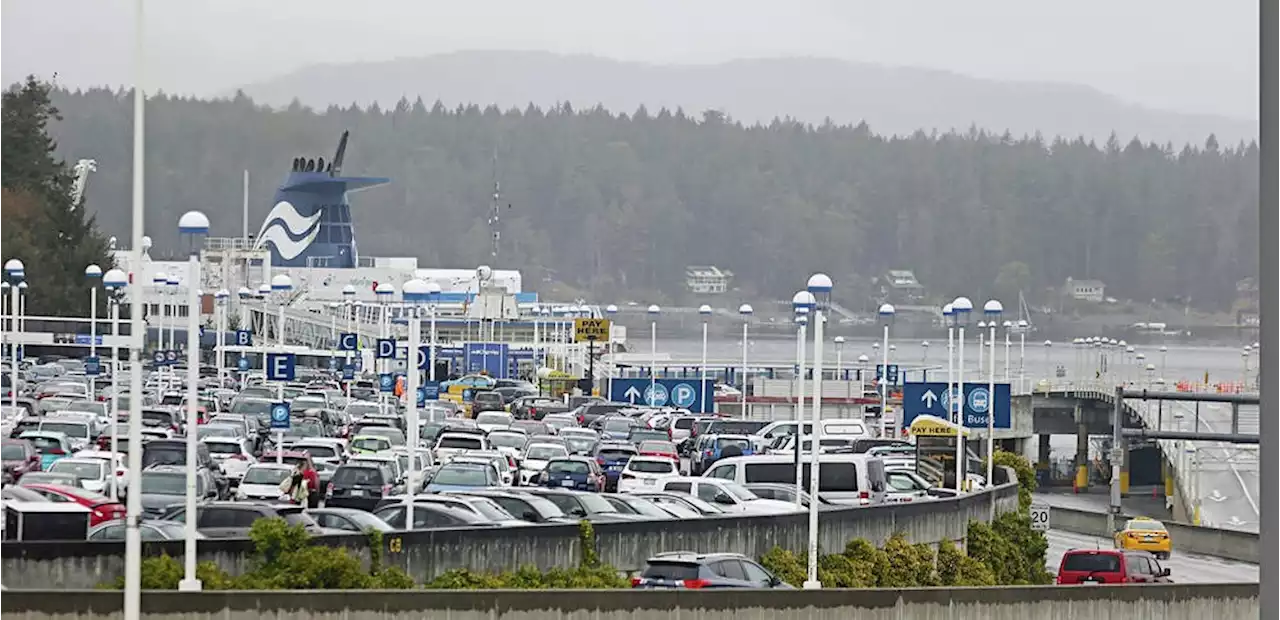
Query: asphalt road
1185	568
1227	474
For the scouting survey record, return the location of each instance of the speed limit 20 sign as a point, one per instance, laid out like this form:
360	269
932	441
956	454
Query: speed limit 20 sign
1040	517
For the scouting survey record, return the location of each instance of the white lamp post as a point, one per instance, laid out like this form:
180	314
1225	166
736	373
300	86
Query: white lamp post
982	347
171	284
819	286
1022	354
1048	344
839	340
192	225
1008	365
415	293
16	272
1164	361
94	274
654	311
383	294
992	310
704	311
281	284
949	316
137	333
802	321
433	299
924	357
114	280
886	313
349	321
745	311
221	305
610	311
961	307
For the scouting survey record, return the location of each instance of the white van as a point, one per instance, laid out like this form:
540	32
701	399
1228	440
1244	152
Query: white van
854	479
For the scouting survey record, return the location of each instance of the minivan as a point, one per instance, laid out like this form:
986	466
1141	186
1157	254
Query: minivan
854	479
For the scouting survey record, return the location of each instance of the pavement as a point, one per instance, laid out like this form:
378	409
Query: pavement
1184	568
1139	502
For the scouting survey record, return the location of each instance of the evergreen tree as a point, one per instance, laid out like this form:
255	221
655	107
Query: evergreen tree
53	236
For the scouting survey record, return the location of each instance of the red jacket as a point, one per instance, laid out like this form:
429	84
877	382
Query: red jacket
313	480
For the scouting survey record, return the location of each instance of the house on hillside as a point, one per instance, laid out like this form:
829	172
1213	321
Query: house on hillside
708	280
1085	290
901	286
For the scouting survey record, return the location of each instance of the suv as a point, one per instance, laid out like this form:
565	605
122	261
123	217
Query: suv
233	519
686	569
487	400
1110	566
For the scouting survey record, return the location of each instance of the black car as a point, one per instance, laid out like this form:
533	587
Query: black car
359	485
233	519
579	505
487	400
531	508
427	515
684	569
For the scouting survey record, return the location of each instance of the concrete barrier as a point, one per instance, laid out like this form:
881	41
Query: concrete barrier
1167	602
1229	544
625	545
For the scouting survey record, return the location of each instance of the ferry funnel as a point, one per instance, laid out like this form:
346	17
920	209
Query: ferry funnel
310	220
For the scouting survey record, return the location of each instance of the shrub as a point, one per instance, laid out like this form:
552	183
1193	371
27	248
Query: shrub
1027	483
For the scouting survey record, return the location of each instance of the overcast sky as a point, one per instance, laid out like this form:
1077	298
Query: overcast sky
1185	55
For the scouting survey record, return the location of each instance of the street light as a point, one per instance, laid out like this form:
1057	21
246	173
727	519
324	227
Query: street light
654	311
114	280
192	225
433	300
745	311
982	346
949	316
863	360
415	293
137	330
171	284
819	286
1022	354
94	274
924	357
383	293
1008	377
221	305
802	321
16	272
1048	344
610	311
704	311
992	310
839	340
961	308
886	314
280	284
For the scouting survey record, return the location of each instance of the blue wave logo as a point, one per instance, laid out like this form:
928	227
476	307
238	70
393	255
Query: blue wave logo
288	231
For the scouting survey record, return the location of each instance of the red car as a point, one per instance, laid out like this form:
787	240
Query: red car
659	448
101	508
1107	566
20	457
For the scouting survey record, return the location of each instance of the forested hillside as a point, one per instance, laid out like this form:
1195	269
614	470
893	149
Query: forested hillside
613	202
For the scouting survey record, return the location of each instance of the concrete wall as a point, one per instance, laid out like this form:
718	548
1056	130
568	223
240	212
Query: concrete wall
425	554
1168	602
1229	544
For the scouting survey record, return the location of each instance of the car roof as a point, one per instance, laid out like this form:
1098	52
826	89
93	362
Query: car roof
694	557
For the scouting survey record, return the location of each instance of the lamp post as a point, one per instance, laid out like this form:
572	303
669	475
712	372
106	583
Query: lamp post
349	321
171	284
801	303
992	310
704	311
415	293
949	316
819	286
192	225
281	284
433	300
745	311
863	360
114	280
1128	364
133	536
1048	344
1008	365
610	311
982	347
221	305
93	273
654	311
886	313
1164	361
383	293
16	272
1022	354
924	357
839	340
961	307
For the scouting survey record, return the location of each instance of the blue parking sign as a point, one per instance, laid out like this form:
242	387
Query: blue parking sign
92	366
242	364
348	372
387	382
280	416
280	366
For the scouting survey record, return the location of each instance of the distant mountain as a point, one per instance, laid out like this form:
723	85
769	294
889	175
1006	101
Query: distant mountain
892	100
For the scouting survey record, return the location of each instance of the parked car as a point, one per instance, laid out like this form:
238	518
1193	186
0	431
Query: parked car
574	472
687	570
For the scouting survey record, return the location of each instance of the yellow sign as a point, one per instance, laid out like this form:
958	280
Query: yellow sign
585	330
923	427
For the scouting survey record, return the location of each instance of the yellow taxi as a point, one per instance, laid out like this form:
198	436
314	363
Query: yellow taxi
1143	534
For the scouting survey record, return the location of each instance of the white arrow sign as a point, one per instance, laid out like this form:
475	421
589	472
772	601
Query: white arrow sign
631	394
1217	496
929	398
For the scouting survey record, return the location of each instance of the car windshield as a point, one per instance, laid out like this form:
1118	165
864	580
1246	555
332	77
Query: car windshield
164	483
222	447
318	451
493	417
469	443
157	418
219	430
1091	562
508	440
266	475
568	467
13	452
665	447
618	424
739	491
44	444
392	435
545	453
595	503
357	475
651	466
85	405
375	444
580	444
462	475
70	429
88	471
616	454
251	406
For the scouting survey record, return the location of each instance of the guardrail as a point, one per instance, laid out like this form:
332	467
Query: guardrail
623	545
1165	601
1228	544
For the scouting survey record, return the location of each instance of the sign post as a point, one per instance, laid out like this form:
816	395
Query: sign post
590	330
696	395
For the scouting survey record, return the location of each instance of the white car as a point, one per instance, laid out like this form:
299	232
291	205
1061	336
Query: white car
536	458
119	464
262	481
93	473
642	473
499	462
508	442
232	455
726	495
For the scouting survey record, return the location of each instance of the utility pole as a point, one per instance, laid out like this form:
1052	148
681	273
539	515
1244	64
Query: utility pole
495	209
